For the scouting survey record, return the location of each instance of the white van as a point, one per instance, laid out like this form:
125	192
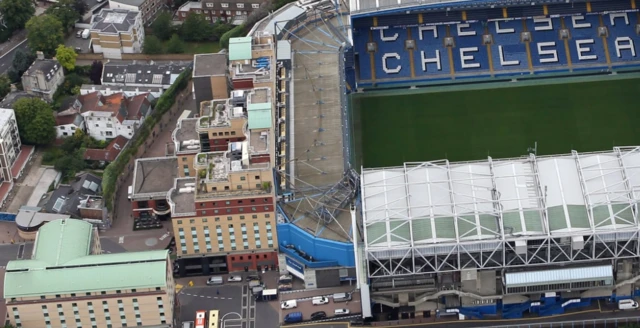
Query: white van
130	192
215	280
341	297
289	304
627	305
319	300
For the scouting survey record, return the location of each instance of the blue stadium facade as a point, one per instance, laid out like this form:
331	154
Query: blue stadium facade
422	46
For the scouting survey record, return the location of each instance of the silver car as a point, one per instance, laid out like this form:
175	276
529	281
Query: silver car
234	279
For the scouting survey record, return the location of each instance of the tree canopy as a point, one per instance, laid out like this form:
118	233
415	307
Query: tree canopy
5	85
16	13
152	45
175	45
195	28
66	12
36	123
95	73
162	26
44	34
20	63
66	56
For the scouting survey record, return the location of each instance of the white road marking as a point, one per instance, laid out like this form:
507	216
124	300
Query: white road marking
121	240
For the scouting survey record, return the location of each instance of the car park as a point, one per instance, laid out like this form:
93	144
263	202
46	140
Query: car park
338	312
319	300
291	304
318	315
234	278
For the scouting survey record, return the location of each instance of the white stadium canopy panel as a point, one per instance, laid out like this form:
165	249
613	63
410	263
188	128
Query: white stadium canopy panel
439	202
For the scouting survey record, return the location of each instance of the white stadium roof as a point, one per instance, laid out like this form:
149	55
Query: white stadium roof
441	202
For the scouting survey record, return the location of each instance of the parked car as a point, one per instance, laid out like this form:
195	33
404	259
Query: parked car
234	278
338	312
79	34
627	305
285	287
319	300
215	280
318	315
289	304
285	279
253	277
293	317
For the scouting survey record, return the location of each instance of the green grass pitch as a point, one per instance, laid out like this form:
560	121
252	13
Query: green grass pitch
473	124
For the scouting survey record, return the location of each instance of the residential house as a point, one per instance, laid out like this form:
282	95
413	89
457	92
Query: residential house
230	11
13	96
210	77
142	75
147	8
117	31
80	199
108	154
43	77
109	116
67	125
128	91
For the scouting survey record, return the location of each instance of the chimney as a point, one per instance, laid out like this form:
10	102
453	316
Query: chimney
40	54
13	87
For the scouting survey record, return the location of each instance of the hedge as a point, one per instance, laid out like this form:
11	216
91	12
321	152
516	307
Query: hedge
117	167
235	32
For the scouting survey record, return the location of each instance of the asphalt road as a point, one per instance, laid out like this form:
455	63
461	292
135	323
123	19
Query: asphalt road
234	301
5	60
10	252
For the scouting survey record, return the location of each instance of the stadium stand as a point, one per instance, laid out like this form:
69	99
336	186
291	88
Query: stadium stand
491	42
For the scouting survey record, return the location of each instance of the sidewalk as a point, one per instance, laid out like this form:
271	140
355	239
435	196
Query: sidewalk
13	42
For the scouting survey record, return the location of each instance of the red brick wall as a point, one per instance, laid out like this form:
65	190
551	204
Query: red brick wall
223	144
242	84
237	262
259	159
135	205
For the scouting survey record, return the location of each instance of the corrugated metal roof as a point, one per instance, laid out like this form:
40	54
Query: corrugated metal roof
533	278
259	116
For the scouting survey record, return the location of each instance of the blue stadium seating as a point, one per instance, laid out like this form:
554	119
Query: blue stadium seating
622	27
583	48
507	51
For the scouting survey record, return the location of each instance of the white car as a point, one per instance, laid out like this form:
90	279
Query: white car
341	312
291	304
234	279
319	300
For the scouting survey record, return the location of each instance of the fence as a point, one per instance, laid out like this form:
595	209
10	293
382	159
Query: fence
165	57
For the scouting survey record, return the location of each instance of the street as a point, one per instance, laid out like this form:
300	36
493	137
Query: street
7	57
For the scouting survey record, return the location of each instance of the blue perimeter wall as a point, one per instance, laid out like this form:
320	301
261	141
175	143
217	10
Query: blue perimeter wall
322	250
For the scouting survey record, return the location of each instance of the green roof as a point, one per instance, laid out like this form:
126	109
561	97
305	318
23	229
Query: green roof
60	241
259	116
62	264
240	48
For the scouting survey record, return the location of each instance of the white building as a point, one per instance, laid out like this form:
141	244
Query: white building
66	125
115	31
10	143
129	91
109	116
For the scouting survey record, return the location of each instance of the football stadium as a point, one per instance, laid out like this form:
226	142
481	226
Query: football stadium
472	158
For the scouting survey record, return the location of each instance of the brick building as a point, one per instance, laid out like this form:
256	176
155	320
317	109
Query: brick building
226	10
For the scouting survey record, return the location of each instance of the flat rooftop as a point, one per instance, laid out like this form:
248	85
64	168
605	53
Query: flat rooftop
182	197
186	136
260	96
154	175
241	70
259	141
219	113
209	65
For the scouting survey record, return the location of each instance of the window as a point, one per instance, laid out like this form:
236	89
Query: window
184	159
204	220
240	5
255	5
254	216
267	215
239	187
209	5
228	12
243	178
238	12
109	125
257	177
179	221
109	134
224	5
192	221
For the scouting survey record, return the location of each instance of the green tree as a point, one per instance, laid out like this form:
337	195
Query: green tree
35	121
95	73
175	45
16	13
65	11
66	56
80	6
71	163
195	28
44	34
5	85
219	29
162	26
20	63
152	45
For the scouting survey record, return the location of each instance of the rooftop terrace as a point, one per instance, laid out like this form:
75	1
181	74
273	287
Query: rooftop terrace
154	177
219	113
185	136
181	197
